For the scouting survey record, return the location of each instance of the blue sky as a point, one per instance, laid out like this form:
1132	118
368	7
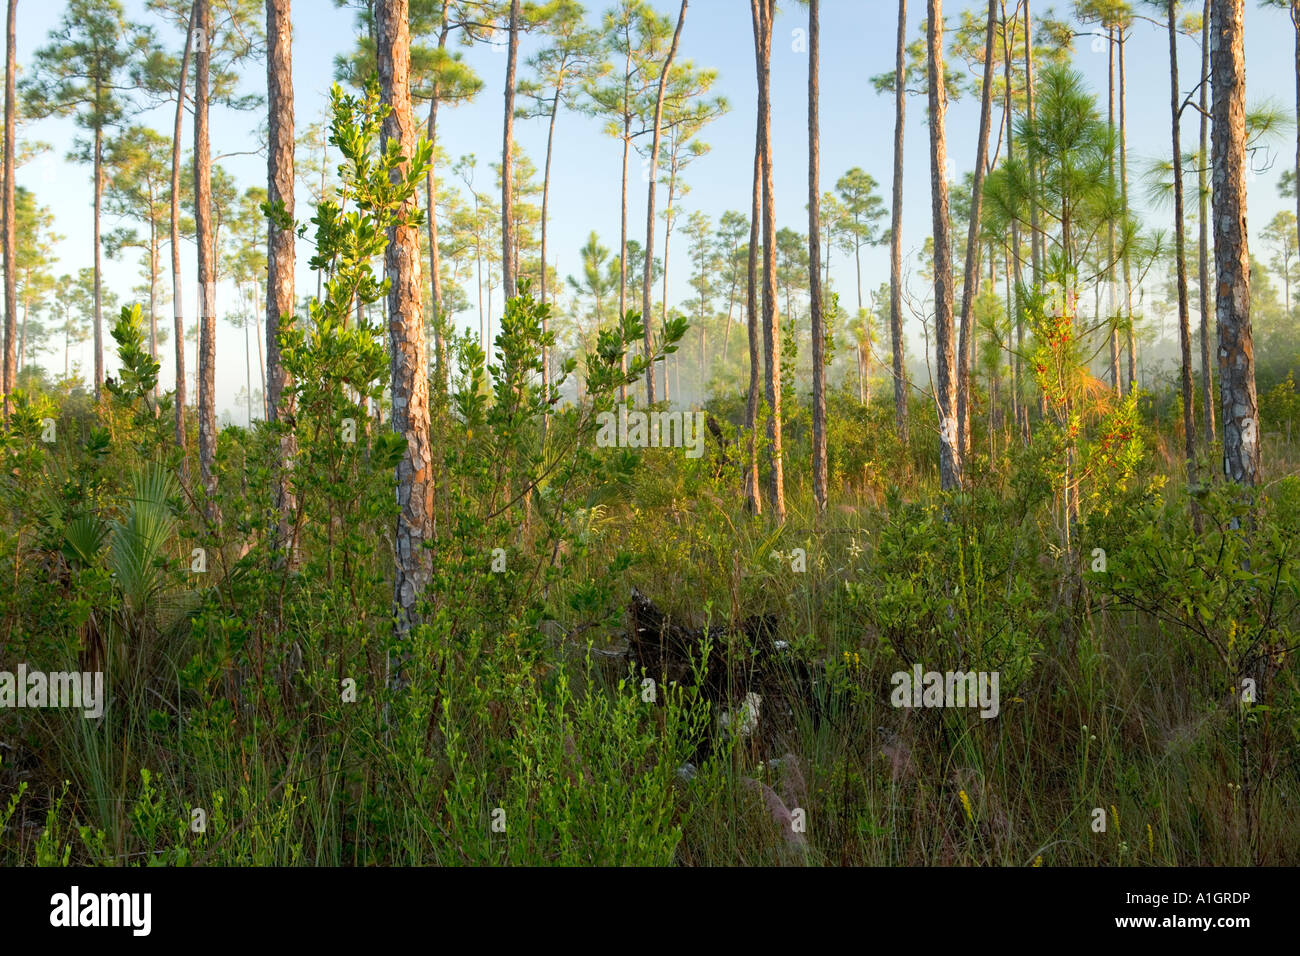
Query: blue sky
856	124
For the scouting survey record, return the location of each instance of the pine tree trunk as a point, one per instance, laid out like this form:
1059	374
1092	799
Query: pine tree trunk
1203	242
971	275
1035	237
507	161
1131	338
546	196
650	212
10	377
410	365
154	259
207	262
753	497
771	325
896	232
1116	382
1180	252
946	397
178	312
814	262
1019	414
431	221
99	316
280	402
1237	400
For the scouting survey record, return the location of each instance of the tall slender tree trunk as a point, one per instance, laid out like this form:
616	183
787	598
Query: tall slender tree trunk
946	396
280	401
1295	23
178	311
753	496
1116	381
766	10
207	263
546	199
622	249
1237	399
971	273
896	231
10	377
409	362
663	303
1130	335
1019	413
650	211
1203	242
507	161
1180	252
814	260
155	257
1036	236
431	201
99	315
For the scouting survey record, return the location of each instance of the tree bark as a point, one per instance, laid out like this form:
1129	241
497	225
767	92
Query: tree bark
1203	242
178	311
546	197
431	193
971	276
766	10
1035	237
1131	338
896	232
99	316
814	261
1237	399
207	262
650	212
1019	412
946	395
409	362
10	378
1180	253
507	162
1116	382
280	403
753	496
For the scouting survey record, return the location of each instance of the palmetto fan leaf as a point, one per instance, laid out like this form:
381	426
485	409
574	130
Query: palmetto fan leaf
138	556
83	539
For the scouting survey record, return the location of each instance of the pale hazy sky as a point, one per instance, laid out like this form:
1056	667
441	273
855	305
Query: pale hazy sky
856	123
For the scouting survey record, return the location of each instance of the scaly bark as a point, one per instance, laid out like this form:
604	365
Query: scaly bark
207	262
409	360
280	254
1203	244
946	396
1237	400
